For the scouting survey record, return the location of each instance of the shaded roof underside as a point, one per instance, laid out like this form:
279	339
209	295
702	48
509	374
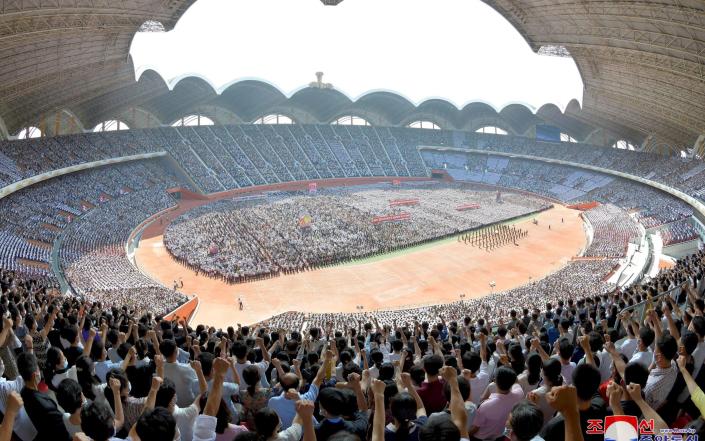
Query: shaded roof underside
642	63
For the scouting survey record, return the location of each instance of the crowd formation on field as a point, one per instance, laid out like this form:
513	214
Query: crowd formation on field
240	241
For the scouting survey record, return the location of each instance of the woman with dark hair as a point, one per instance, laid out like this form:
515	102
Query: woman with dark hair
408	414
530	378
377	359
254	397
57	369
551	377
132	407
85	374
224	430
386	372
516	358
266	428
40	342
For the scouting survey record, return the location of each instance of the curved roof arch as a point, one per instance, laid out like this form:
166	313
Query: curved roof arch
520	117
390	105
321	103
435	118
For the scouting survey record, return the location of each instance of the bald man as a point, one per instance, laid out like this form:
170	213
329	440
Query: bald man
285	404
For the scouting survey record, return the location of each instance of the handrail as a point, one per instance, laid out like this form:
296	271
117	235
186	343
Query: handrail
641	307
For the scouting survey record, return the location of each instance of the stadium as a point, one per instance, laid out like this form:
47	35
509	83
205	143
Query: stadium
246	261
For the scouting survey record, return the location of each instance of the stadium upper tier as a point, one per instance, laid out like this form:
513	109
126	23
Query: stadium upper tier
220	158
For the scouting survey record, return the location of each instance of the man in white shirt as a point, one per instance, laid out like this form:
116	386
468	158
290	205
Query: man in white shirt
240	352
627	346
477	375
565	352
643	354
663	376
230	389
697	325
183	375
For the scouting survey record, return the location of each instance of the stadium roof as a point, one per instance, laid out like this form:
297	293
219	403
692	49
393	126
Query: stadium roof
642	63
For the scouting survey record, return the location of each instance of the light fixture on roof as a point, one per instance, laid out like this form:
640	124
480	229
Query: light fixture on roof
331	2
319	84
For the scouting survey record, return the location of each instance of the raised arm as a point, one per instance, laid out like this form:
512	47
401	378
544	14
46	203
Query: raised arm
202	383
406	382
585	344
14	404
655	324
49	325
672	328
220	367
119	420
278	366
565	400
649	413
304	412
152	396
378	424
127	361
355	383
263	348
457	408
690	383
536	346
619	364
89	343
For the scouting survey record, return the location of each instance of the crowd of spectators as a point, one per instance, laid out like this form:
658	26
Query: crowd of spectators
33	217
225	157
244	240
94	260
678	232
613	230
79	370
577	280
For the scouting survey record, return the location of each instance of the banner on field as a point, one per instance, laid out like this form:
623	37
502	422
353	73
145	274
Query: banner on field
391	218
466	207
403	202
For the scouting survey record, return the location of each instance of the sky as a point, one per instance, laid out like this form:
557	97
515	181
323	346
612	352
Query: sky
459	50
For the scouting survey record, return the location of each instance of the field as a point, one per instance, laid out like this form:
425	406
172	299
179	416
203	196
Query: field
432	273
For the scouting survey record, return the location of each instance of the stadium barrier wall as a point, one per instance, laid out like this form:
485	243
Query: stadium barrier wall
184	311
17	186
698	206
